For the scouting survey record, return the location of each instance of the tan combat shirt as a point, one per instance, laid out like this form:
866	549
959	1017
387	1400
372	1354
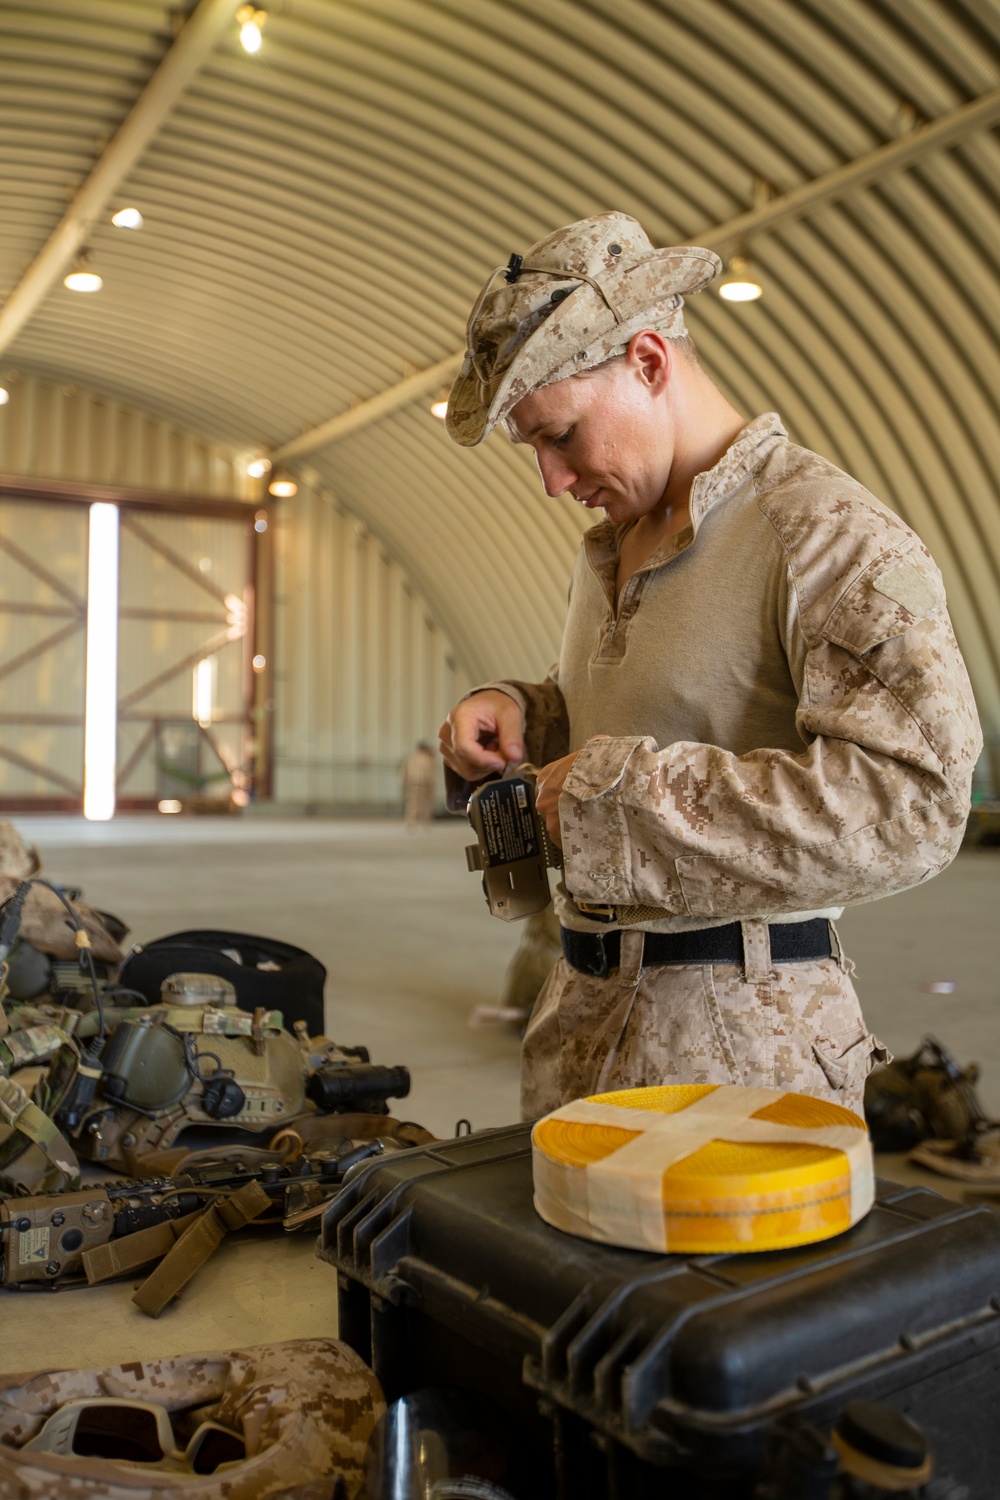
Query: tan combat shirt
791	724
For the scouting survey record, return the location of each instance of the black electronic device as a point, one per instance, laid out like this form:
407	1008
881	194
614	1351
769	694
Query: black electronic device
360	1086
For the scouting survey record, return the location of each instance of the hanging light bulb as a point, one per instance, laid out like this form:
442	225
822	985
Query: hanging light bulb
740	283
4	395
127	218
439	409
82	278
258	467
283	488
251	23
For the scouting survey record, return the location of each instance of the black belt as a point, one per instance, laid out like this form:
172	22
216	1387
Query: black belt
791	942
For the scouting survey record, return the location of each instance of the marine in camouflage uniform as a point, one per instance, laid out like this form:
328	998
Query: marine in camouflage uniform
767	717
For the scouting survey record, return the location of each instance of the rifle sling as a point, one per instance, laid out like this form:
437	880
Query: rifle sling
197	1243
120	1257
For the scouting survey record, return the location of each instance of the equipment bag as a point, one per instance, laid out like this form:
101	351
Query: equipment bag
263	971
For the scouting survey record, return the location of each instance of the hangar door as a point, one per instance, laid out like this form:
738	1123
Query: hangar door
184	674
43	619
184	644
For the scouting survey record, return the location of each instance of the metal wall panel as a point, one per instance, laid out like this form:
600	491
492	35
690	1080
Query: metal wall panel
362	672
52	431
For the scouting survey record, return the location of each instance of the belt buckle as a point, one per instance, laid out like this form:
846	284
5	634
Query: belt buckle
595	912
603	968
586	953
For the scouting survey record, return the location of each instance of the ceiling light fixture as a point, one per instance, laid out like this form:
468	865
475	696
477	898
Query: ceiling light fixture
82	278
251	23
4	396
439	409
741	282
283	489
127	218
258	467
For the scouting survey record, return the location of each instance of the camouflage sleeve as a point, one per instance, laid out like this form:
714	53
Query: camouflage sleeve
876	802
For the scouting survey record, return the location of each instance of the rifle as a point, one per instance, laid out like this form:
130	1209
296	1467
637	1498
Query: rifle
49	1240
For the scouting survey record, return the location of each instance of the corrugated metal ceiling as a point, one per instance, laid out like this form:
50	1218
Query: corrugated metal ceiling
319	217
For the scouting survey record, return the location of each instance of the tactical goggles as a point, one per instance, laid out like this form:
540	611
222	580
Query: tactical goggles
136	1434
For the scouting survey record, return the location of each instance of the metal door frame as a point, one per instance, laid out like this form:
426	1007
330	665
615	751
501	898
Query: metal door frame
257	699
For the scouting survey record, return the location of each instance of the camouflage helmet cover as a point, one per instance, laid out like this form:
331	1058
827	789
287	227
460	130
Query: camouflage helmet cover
575	299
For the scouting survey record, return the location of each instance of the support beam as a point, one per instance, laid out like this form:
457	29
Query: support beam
937	135
366	412
188	53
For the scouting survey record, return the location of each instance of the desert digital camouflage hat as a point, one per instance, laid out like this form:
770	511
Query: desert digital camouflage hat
573	300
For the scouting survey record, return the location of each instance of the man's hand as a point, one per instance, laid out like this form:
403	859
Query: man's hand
482	734
550	784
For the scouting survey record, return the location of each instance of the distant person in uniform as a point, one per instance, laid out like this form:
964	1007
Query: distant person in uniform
420	772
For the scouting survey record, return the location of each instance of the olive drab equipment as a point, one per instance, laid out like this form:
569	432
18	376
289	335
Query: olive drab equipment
927	1096
121	1082
194	1059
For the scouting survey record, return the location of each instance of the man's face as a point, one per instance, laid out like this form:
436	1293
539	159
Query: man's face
604	438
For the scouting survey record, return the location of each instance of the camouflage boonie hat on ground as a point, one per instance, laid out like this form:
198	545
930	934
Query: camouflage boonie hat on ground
303	1411
574	300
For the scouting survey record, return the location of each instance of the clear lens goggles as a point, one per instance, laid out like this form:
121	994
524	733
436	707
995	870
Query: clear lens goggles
137	1434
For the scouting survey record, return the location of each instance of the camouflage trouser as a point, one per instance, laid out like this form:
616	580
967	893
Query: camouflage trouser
793	1025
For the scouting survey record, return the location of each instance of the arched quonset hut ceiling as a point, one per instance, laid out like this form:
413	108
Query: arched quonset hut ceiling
319	217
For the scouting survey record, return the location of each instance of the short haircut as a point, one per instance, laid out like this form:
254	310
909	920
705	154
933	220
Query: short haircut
684	344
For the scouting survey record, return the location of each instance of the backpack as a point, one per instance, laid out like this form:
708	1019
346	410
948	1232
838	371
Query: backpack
263	971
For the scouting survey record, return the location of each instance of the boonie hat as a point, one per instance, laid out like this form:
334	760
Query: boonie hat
573	300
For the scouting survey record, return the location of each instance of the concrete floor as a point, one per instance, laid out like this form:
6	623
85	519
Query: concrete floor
410	950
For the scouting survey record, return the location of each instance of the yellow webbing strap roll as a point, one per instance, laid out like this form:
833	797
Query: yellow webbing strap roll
702	1168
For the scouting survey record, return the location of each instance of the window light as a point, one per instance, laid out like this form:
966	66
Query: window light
100	731
203	694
